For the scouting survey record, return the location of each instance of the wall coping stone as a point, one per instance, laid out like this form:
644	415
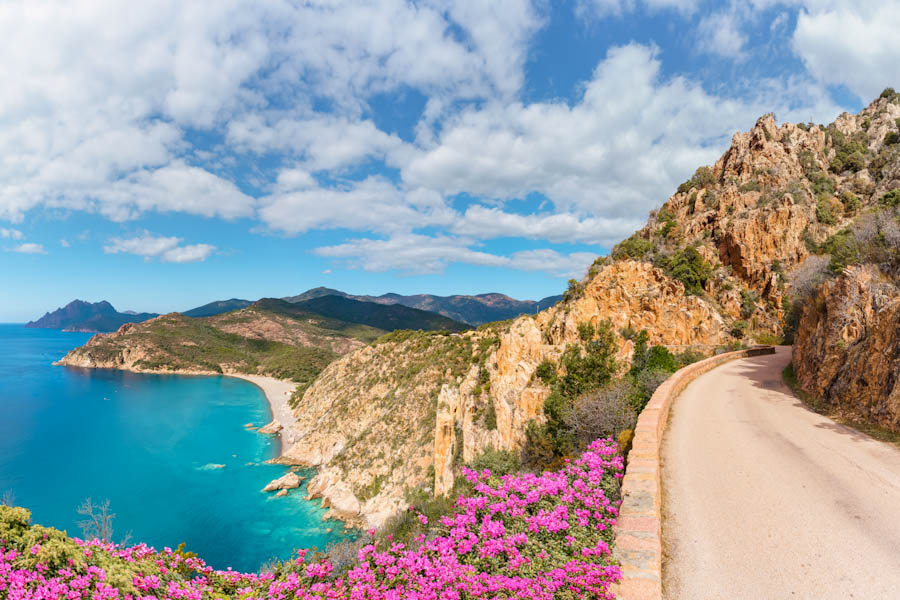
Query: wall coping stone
638	533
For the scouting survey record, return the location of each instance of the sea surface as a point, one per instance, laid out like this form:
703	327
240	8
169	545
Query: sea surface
151	445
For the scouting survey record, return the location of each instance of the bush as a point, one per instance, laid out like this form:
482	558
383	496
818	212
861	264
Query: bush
892	198
546	371
748	303
703	177
843	249
588	366
605	412
892	138
634	247
824	213
643	385
739	329
888	93
750	186
573	290
850	201
689	267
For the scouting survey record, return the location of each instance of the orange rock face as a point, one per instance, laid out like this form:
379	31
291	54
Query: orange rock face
847	349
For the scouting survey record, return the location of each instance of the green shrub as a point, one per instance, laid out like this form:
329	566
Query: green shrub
739	329
892	138
892	198
667	227
546	371
750	186
689	267
490	416
844	250
710	200
850	201
634	247
748	303
499	462
703	177
573	290
888	93
824	213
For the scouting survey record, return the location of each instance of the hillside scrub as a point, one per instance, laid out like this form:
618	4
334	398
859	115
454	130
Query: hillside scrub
544	537
690	268
588	400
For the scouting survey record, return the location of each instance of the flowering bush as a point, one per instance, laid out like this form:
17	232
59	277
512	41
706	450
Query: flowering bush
517	536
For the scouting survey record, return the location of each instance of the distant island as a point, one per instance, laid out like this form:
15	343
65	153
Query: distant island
89	317
101	317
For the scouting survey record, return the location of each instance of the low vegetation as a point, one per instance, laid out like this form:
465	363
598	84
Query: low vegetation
587	399
538	536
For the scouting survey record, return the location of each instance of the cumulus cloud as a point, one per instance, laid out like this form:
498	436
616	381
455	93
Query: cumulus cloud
30	248
854	44
98	118
482	222
420	254
374	204
719	34
166	249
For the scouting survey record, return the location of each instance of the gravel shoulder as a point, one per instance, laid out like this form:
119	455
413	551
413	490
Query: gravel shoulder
764	498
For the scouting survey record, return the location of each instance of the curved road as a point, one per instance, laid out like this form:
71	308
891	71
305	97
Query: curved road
766	499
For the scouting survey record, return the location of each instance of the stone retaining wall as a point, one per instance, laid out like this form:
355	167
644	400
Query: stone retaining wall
638	535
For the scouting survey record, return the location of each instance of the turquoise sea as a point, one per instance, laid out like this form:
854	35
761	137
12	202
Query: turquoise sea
149	444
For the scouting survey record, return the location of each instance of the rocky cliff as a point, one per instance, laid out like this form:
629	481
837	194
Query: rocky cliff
847	349
402	415
713	266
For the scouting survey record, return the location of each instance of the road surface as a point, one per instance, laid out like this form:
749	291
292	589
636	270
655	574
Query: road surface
764	499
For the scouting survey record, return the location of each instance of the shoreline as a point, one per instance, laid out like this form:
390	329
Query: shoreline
277	393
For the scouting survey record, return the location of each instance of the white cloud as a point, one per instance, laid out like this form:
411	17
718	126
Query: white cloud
597	9
374	204
855	44
483	223
321	142
185	254
10	234
166	249
419	254
719	34
96	117
64	243
30	248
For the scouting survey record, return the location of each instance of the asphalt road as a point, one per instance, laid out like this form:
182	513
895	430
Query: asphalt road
765	499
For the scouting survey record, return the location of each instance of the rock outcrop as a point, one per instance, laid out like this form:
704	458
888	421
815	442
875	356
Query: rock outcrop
288	481
402	415
847	349
399	417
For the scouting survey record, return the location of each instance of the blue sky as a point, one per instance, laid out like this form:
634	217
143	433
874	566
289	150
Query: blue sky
161	155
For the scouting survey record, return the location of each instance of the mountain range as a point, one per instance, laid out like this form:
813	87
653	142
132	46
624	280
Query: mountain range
474	310
457	311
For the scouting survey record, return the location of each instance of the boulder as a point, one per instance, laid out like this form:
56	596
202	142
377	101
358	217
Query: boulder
286	482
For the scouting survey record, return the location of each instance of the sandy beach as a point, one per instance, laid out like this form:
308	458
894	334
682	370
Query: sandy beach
278	392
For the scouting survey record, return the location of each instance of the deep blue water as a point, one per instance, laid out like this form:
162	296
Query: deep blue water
146	443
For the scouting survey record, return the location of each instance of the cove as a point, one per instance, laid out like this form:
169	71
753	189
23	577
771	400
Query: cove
153	445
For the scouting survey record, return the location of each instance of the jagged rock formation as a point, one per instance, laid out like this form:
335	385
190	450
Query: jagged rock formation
384	421
847	349
401	416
